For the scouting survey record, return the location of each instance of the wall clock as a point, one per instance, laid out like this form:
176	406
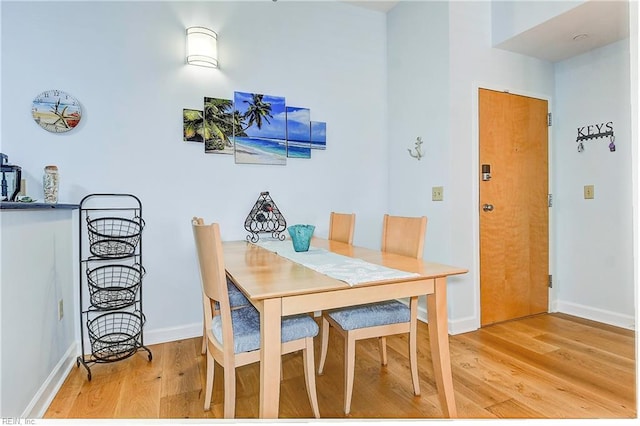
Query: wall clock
56	111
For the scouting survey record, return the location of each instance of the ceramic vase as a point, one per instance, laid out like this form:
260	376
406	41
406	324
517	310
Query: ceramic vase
50	184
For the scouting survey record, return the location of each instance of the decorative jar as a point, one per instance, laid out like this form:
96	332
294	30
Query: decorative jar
50	184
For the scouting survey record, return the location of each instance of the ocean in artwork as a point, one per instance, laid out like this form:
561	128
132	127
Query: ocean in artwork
298	149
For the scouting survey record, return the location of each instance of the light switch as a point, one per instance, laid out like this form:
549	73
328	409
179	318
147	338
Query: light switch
588	192
437	193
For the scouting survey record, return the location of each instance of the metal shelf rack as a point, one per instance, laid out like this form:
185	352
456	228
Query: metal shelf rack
110	277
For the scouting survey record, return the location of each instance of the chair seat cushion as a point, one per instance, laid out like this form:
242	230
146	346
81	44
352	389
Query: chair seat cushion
371	315
236	297
246	328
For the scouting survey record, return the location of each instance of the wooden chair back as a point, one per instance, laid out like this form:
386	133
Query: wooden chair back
341	226
404	235
214	281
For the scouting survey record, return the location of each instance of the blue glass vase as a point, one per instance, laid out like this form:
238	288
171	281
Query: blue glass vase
301	236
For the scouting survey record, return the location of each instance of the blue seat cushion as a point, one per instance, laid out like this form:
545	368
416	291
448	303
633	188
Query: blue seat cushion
246	328
236	297
371	315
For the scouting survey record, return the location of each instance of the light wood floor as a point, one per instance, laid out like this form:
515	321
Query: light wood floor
546	366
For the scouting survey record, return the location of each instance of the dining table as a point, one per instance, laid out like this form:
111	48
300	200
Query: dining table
279	283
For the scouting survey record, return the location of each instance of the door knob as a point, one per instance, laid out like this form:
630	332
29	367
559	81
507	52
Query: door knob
487	207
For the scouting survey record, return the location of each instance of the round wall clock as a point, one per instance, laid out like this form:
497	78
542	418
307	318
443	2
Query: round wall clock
56	111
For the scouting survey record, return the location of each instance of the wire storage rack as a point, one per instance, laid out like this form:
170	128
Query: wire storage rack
110	276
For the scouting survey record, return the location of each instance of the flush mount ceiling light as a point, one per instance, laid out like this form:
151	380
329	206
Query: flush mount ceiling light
202	47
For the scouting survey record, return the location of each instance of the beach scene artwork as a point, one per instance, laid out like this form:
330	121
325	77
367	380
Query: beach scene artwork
298	132
318	135
260	129
192	130
255	128
218	126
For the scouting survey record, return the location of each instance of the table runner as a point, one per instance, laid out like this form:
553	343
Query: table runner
344	268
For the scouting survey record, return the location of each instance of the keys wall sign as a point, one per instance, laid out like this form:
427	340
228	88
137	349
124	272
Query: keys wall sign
595	131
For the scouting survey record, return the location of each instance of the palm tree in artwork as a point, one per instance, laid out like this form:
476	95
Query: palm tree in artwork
219	117
257	112
192	124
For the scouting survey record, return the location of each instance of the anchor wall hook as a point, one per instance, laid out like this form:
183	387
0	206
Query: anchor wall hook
418	149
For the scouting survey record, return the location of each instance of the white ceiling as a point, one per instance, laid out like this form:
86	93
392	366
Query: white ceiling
603	22
379	5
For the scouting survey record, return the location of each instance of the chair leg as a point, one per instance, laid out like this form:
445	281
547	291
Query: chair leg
310	375
229	390
413	345
325	344
382	342
204	340
349	367
208	386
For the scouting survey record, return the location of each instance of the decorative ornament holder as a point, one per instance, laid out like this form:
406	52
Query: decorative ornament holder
265	218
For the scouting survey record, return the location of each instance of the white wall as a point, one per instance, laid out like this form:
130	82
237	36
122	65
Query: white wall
418	106
124	61
593	271
445	96
37	271
594	239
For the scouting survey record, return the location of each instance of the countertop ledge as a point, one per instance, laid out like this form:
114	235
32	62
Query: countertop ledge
7	205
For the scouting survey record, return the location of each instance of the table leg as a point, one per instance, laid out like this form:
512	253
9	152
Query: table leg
270	338
439	339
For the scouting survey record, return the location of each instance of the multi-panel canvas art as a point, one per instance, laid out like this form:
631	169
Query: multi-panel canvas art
255	128
298	132
218	126
318	135
260	133
192	130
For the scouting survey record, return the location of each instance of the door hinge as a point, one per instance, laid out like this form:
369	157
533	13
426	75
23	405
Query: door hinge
549	120
550	200
550	281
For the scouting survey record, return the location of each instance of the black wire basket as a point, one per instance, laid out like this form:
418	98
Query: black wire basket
114	237
115	335
114	286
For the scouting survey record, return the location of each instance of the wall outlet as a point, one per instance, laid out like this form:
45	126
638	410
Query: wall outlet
60	310
437	193
588	192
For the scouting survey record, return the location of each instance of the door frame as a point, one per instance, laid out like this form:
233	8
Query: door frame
475	154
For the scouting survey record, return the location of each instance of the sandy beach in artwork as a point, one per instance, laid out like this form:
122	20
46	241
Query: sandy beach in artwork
251	155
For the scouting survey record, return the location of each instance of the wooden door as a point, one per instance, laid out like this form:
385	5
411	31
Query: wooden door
514	213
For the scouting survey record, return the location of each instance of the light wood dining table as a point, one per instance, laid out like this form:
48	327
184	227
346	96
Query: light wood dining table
279	287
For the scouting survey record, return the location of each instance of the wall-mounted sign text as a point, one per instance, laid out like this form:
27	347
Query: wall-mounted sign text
595	131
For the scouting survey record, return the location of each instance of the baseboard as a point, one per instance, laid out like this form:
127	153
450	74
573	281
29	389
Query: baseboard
43	397
170	334
458	326
595	314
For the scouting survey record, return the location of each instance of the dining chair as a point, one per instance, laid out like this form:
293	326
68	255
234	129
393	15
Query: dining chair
400	235
233	335
341	226
236	300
